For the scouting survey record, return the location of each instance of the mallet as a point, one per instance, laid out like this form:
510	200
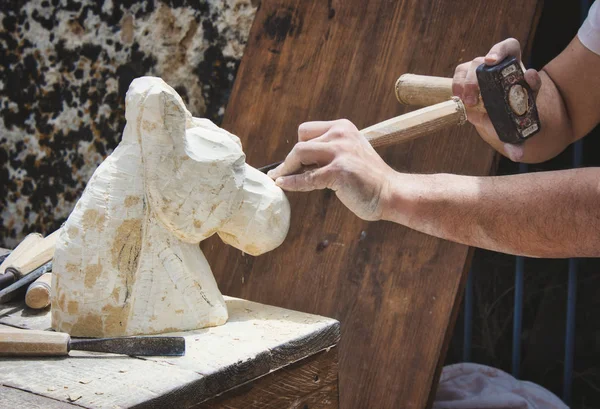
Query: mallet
505	96
507	99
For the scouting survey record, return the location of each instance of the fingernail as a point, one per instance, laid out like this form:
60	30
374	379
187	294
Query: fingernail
492	57
470	100
279	181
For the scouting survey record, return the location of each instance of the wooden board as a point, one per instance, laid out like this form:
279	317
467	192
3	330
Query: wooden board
395	291
256	341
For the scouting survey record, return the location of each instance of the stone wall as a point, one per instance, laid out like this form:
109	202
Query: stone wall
65	67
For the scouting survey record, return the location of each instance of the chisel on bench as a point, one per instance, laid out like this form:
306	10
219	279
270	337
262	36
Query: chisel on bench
19	342
32	253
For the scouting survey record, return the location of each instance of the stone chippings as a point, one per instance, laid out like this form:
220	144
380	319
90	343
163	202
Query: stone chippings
65	67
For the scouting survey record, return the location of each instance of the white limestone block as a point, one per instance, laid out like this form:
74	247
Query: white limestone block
128	260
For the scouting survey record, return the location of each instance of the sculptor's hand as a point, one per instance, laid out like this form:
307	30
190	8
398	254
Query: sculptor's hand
466	87
345	163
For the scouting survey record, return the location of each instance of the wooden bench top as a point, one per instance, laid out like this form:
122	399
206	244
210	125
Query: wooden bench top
257	340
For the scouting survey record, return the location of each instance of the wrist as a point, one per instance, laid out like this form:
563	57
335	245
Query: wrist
401	198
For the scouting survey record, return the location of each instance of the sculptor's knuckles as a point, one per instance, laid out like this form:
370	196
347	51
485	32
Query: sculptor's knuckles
128	261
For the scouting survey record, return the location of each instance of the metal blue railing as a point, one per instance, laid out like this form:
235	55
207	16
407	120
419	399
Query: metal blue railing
518	300
468	327
518	308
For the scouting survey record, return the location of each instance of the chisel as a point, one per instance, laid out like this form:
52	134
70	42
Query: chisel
33	252
18	342
410	126
18	289
30	241
505	97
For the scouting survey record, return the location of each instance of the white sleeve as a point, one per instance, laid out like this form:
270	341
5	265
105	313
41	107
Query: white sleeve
589	32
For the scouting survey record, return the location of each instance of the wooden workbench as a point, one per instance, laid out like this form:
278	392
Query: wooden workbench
263	357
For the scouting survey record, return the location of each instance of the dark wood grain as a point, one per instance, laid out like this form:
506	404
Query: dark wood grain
309	383
394	290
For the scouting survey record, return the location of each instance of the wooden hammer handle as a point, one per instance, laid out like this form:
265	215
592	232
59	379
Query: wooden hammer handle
424	90
417	123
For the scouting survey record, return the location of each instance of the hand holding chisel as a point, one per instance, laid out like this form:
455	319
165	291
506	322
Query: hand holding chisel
506	98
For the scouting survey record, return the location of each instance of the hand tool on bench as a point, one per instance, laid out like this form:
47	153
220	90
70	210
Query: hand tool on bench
18	289
33	252
39	292
19	342
507	99
26	244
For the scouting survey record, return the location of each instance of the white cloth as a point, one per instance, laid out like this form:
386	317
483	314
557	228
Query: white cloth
473	386
589	32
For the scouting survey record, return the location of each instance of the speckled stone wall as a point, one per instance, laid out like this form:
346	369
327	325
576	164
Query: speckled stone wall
65	67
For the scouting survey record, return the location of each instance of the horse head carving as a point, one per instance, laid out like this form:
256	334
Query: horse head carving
127	260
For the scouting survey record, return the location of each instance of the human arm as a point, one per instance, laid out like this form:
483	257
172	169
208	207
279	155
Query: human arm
550	214
568	92
546	214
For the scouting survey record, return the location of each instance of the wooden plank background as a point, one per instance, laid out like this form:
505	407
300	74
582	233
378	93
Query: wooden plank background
395	291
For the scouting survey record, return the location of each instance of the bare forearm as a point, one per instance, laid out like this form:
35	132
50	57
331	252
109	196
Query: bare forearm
550	214
568	101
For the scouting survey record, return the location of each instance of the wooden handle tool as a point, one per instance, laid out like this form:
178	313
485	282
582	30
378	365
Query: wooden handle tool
38	293
30	241
36	255
18	342
417	123
26	244
32	253
424	90
18	289
505	96
410	126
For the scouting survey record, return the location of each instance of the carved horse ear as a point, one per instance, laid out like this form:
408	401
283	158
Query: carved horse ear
160	113
174	115
193	175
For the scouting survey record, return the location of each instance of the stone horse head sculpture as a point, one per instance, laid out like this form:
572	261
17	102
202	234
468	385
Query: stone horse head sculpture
127	260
